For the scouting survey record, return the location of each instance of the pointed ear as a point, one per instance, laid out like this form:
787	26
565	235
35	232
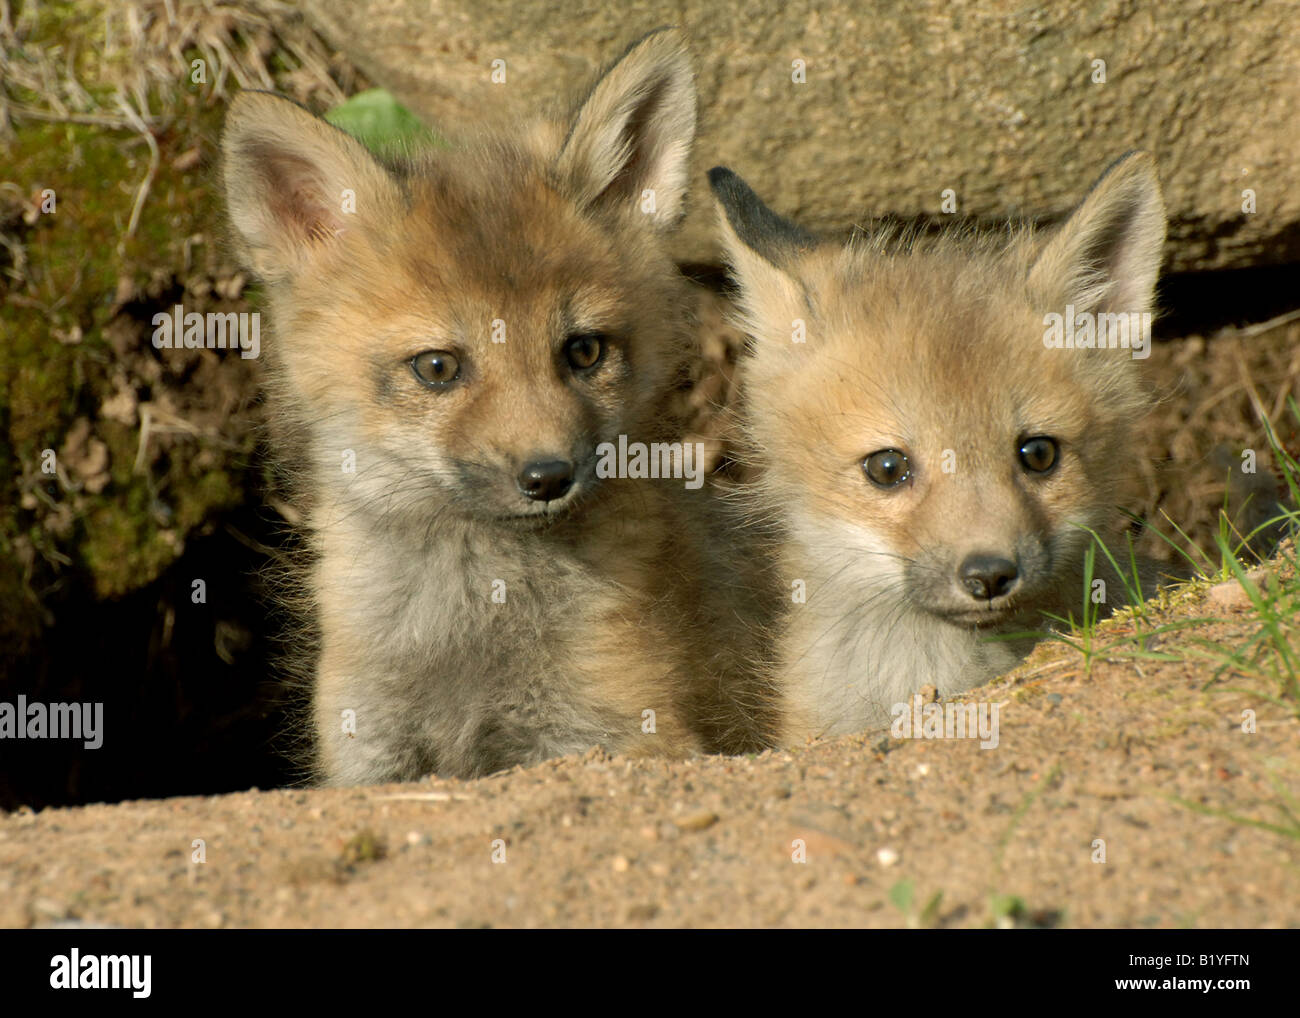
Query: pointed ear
1107	255
294	183
761	249
634	133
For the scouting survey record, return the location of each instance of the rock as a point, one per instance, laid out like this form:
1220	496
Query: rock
997	103
818	844
1231	594
86	456
698	821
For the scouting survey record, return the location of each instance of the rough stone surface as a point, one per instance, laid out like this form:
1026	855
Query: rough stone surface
991	99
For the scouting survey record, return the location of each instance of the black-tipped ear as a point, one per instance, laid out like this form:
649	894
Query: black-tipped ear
755	225
762	251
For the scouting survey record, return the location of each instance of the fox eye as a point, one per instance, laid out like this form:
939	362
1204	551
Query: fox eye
1039	454
436	368
887	468
584	350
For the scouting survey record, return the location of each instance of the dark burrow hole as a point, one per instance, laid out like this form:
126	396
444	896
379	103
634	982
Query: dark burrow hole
1188	302
196	706
192	697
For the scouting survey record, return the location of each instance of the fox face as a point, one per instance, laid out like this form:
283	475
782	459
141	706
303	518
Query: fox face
477	321
932	451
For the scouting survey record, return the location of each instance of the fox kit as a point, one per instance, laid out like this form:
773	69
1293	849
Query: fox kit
457	337
930	444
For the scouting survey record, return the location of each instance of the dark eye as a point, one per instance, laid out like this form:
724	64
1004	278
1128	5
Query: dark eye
436	368
1039	454
584	351
887	468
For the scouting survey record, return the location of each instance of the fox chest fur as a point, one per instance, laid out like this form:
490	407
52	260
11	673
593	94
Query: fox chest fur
472	651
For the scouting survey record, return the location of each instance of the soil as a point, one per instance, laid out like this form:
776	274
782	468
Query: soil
1135	754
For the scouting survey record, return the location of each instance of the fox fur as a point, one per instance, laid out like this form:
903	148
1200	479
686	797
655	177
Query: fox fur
933	347
464	627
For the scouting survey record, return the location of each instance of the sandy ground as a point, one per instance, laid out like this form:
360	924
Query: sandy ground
891	832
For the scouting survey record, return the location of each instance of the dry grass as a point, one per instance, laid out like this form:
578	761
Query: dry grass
1218	393
144	48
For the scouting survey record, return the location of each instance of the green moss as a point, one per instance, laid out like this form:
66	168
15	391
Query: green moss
113	540
75	257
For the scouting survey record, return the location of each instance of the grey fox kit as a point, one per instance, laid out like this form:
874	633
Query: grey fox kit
930	438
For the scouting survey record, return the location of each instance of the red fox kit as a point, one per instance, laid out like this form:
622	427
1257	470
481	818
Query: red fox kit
932	422
460	340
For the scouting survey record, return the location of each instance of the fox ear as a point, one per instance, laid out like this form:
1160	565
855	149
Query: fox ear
1106	256
630	143
759	246
294	182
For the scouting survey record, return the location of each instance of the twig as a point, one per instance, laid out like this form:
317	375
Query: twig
1272	323
94	119
138	123
425	797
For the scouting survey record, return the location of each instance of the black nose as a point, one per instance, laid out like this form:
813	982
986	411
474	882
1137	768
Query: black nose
546	480
987	576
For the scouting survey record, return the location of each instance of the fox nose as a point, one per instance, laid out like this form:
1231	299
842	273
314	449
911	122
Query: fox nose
987	576
546	480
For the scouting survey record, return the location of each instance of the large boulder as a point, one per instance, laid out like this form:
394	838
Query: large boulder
1003	104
